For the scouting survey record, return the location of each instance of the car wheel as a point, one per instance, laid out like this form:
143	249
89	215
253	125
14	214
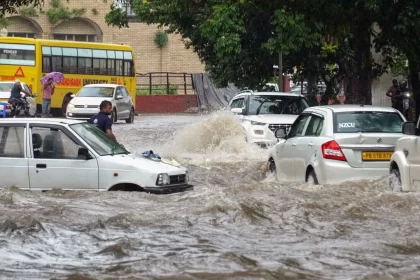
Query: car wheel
395	180
311	179
114	116
131	117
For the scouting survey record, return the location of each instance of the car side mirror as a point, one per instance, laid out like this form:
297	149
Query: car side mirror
84	154
239	111
409	128
117	97
73	95
280	133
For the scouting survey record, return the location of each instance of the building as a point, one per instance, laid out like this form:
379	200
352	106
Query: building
85	21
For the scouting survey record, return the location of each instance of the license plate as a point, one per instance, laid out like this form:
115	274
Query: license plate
376	156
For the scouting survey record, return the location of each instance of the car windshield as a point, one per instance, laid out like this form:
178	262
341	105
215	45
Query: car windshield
98	140
96	92
383	122
276	104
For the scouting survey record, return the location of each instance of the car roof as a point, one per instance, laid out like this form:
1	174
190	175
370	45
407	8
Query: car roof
103	85
351	108
271	93
41	120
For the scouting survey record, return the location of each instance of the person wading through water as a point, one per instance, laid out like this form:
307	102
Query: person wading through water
102	119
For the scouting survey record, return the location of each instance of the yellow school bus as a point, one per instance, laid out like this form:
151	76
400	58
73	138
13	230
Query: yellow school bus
82	63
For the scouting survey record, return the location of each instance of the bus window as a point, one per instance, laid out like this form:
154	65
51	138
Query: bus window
46	64
17	54
128	69
57	64
119	67
111	67
70	60
99	62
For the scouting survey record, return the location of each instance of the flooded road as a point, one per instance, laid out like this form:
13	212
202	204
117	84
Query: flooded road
238	223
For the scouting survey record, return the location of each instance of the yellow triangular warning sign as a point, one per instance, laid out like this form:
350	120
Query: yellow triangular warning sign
19	73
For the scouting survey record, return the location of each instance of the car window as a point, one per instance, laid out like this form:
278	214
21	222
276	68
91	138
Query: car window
124	92
52	143
96	92
118	91
12	142
368	121
297	128
277	104
315	126
238	103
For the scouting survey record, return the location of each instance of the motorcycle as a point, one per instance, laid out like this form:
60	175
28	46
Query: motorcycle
21	105
408	105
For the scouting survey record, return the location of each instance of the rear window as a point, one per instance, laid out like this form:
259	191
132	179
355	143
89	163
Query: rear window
351	122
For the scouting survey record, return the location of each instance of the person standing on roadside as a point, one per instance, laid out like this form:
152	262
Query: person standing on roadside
102	119
392	92
47	93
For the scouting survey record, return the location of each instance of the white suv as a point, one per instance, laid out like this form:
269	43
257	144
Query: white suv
261	113
337	143
405	162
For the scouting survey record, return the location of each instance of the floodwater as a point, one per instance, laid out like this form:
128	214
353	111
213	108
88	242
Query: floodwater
238	223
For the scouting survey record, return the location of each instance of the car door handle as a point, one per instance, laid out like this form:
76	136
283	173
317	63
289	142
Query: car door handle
41	166
310	144
294	144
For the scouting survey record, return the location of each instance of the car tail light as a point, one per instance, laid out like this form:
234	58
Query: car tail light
331	150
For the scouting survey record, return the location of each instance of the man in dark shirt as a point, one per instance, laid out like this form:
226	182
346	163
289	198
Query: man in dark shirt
102	119
15	96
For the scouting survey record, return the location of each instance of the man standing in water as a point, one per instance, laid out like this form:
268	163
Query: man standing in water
392	92
102	119
47	93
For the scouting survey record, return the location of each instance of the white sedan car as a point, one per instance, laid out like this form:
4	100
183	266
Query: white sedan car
42	154
337	143
86	102
405	162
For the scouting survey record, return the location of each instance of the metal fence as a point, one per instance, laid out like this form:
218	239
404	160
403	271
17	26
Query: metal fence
164	83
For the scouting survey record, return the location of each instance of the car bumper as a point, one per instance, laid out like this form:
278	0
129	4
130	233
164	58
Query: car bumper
260	135
337	172
83	114
169	189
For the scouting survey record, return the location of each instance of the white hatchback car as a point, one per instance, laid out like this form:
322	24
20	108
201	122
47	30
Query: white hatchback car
86	102
261	113
337	143
405	162
42	154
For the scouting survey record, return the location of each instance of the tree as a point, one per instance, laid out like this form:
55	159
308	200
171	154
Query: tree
10	6
239	41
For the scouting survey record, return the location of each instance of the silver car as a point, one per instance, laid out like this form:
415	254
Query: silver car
337	143
86	102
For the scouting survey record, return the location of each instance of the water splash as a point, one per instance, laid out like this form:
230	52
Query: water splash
219	137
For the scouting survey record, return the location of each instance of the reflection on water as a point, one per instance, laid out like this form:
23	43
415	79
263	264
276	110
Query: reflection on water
238	223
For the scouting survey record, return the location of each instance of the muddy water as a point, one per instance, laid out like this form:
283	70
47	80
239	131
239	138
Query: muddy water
238	223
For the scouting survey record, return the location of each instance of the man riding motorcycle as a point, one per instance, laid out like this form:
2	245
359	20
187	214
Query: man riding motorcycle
15	99
406	103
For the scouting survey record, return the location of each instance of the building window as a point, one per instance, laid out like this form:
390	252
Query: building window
75	37
21	34
126	7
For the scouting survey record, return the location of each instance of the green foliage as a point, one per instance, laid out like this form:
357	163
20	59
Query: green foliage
4	22
28	12
326	40
58	12
94	11
11	6
159	90
161	38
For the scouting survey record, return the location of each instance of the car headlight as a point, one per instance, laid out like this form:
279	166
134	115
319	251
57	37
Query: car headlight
257	123
70	106
163	179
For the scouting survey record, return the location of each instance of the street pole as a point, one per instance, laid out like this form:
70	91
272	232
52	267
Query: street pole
281	88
